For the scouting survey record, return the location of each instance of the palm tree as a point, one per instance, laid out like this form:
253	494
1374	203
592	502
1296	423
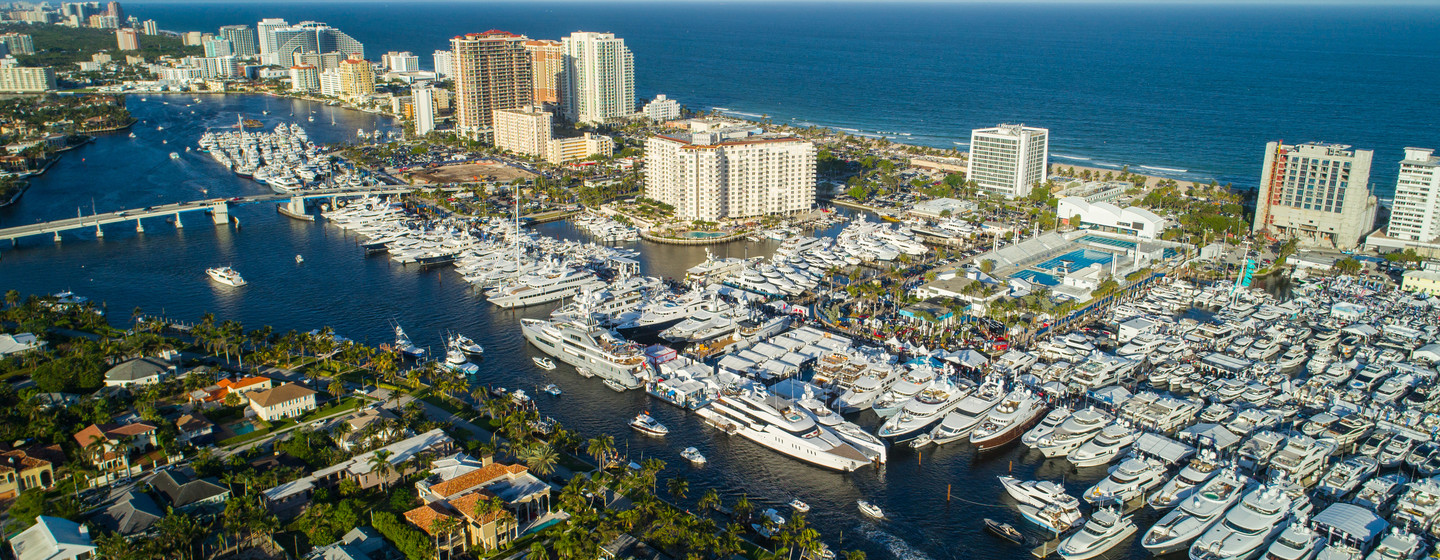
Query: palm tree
678	487
380	463
601	448
710	499
541	458
743	509
537	552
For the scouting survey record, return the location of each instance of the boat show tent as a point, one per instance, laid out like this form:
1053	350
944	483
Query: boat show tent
1210	435
969	358
1350	524
1162	448
1427	353
1113	395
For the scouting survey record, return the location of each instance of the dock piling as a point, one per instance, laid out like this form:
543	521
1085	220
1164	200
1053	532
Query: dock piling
139	227
98	232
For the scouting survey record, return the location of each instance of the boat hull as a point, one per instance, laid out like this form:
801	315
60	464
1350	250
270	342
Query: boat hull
1000	439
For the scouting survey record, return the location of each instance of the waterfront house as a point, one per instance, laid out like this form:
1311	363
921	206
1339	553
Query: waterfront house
14	344
361	543
139	371
20	472
370	427
53	538
215	394
286	401
291	498
493	501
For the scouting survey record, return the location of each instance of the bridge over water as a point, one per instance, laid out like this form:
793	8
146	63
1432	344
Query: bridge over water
217	208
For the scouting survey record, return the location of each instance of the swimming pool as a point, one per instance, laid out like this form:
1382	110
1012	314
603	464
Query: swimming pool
1076	260
242	428
1098	240
704	234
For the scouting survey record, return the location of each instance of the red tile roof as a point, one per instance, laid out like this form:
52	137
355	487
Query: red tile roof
475	478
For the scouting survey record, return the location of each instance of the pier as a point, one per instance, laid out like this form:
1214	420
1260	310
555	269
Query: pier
217	208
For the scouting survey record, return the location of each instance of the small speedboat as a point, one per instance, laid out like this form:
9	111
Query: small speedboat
693	455
648	425
616	386
870	509
798	505
468	346
1005	531
545	363
921	441
552	389
299	259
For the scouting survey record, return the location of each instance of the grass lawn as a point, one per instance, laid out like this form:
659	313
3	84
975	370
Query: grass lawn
346	404
443	403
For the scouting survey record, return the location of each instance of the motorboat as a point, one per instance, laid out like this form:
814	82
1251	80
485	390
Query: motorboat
1037	493
1396	451
1190	478
404	345
1196	514
1079	428
552	390
1379	493
1419	505
468	346
545	363
1106	529
225	275
597	350
770	521
1257	450
1008	420
1005	531
1299	541
1046	426
783	427
968	415
693	455
798	505
1346	476
1104	447
870	509
927	407
1250	526
299	259
1398	544
648	425
1131	479
1302	459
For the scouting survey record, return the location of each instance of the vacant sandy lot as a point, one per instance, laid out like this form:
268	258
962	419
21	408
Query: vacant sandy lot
466	172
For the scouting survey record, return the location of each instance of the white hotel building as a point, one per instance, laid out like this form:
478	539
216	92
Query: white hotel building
1416	212
597	82
713	173
1009	159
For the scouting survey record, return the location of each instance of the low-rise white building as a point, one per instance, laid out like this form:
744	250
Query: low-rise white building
1109	217
942	208
53	538
662	109
524	130
286	401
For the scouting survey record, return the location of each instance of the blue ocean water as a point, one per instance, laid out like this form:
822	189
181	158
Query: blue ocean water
1198	88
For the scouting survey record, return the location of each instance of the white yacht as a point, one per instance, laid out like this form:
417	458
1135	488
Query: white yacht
1346	476
1258	450
776	423
853	434
542	287
1034	492
1131	479
1297	542
1104	531
927	407
1302	460
664	312
599	351
1046	426
1191	477
1398	544
1196	514
1008	420
225	275
1248	527
1104	447
967	416
1081	427
1419	505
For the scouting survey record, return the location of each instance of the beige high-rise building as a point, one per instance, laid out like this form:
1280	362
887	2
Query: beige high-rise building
357	77
547	62
720	171
128	39
1008	160
27	79
1316	193
524	130
491	72
598	83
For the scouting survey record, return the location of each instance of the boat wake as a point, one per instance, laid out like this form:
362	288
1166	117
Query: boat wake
744	114
1077	158
893	544
1170	169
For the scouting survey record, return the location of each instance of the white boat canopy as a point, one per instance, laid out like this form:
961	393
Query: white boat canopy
1210	435
1355	525
1113	394
1162	448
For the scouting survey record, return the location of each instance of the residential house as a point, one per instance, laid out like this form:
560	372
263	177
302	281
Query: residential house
53	538
109	446
134	513
370	427
184	492
19	343
215	394
139	371
20	472
361	543
286	401
195	428
291	498
525	498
